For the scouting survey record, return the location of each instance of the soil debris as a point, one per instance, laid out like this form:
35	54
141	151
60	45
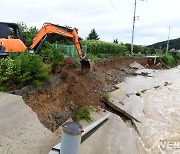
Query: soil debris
68	90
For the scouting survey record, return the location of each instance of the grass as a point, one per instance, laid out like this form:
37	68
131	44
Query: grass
169	60
4	88
93	57
107	96
37	83
84	113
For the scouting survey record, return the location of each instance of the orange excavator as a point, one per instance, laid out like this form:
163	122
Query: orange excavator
11	41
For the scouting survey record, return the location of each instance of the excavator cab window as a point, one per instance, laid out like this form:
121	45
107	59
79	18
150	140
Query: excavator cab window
4	30
13	33
10	30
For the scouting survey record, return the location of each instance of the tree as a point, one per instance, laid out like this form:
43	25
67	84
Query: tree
115	41
93	35
28	34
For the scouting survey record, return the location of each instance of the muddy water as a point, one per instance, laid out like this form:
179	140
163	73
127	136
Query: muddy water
160	96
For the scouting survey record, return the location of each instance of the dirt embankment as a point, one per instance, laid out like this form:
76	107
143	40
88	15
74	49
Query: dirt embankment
56	105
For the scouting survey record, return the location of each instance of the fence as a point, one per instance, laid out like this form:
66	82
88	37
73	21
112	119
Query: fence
69	50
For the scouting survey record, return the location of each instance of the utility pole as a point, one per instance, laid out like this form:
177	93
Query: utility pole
168	40
134	19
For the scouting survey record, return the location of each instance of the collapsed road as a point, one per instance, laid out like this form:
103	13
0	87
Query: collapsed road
71	90
60	98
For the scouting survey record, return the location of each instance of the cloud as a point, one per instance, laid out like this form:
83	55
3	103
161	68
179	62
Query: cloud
111	18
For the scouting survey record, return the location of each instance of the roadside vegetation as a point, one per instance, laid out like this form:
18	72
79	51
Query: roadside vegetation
100	48
107	96
25	69
171	59
84	113
52	56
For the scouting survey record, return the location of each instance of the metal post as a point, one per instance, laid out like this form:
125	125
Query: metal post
71	138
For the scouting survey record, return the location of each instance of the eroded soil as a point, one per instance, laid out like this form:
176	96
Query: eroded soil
56	105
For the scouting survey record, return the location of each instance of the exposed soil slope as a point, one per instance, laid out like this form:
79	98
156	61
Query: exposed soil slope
56	105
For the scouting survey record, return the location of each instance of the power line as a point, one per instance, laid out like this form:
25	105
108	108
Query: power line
118	12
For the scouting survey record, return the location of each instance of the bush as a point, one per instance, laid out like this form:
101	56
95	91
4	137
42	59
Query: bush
23	69
37	83
4	88
169	60
176	56
100	47
6	69
52	56
84	112
93	57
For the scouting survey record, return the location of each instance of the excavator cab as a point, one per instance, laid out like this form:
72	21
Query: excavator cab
10	39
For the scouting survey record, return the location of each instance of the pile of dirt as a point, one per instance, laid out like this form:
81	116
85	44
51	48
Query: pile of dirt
56	105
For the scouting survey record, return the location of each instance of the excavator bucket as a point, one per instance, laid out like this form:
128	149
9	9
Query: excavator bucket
86	66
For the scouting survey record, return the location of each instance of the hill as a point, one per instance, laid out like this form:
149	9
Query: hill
173	44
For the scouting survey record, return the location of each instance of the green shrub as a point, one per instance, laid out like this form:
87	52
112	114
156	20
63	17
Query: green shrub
6	69
37	83
107	96
93	57
176	56
169	60
84	112
100	47
52	56
23	69
4	88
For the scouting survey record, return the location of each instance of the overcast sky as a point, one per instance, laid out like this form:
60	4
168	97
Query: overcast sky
111	18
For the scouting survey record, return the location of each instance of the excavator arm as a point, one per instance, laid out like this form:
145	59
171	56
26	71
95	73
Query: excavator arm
49	28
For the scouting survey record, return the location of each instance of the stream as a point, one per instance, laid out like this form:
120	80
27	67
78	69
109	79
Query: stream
158	108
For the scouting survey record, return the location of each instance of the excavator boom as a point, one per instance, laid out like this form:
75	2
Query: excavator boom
49	28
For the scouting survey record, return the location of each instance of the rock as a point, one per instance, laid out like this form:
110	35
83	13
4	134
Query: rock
136	65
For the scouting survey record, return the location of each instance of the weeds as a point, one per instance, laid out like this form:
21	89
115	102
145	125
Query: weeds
37	83
176	56
169	60
4	88
93	57
84	112
107	96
